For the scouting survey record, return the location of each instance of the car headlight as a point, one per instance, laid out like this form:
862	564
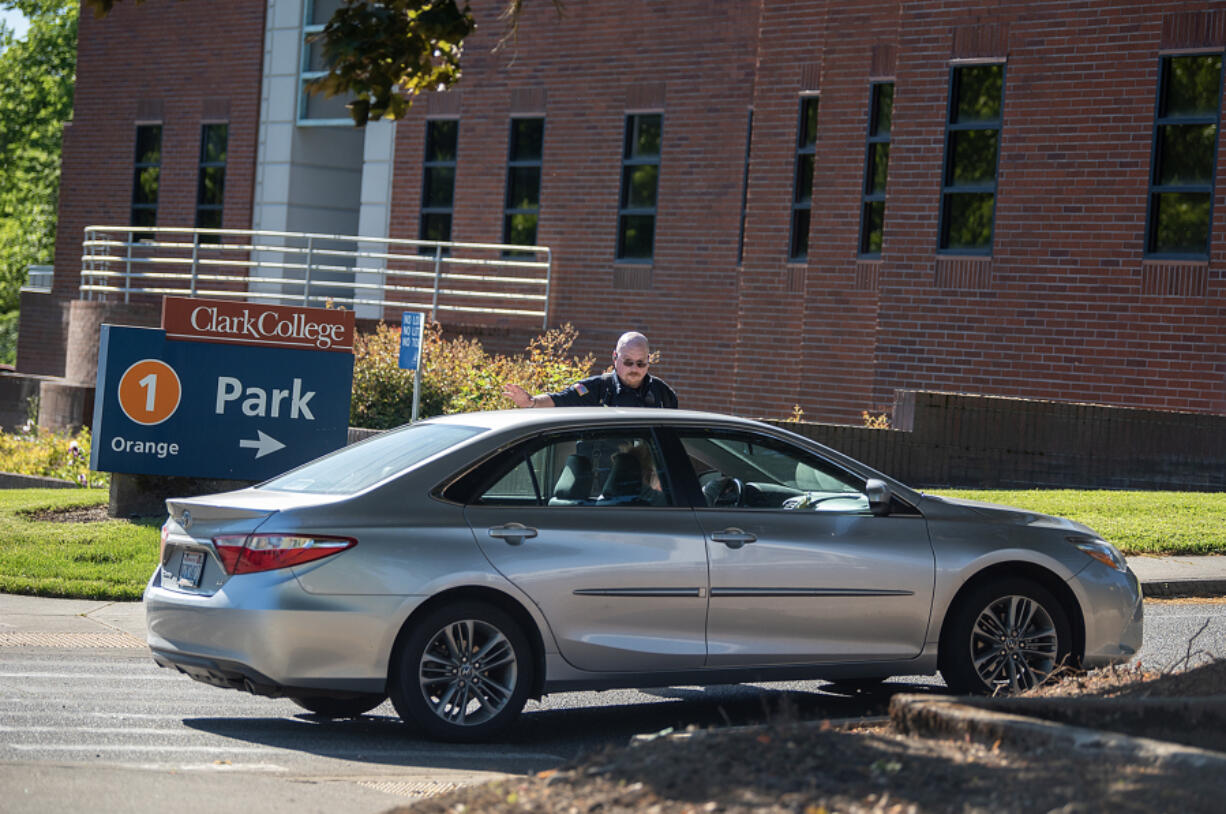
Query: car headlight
1102	551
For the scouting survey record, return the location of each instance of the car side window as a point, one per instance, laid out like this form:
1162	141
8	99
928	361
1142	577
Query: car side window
742	470
607	468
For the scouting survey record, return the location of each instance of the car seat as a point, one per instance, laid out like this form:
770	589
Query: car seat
574	485
625	481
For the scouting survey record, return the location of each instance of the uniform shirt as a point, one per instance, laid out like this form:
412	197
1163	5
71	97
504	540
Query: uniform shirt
608	391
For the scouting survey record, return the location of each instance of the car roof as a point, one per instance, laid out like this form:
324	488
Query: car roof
553	416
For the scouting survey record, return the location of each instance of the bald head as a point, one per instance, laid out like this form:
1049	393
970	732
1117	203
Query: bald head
633	340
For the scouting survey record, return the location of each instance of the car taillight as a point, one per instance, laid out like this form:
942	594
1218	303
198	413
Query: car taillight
162	544
247	553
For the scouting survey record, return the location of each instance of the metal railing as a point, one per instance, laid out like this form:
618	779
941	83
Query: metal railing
38	279
300	268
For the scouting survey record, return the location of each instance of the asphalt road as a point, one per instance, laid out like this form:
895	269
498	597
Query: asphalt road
98	729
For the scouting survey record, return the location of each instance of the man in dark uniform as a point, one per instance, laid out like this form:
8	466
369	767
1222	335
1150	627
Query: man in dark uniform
629	385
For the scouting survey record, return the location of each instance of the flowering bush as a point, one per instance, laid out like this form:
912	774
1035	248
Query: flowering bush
33	451
457	374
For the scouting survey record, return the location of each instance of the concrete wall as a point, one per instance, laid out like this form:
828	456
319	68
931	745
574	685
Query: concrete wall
951	439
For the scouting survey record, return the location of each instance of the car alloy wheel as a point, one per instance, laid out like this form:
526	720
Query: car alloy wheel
1014	644
463	673
1005	637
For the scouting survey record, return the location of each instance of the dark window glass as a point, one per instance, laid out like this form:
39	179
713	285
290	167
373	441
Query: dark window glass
636	222
438	181
1185	155
972	139
876	168
211	188
523	195
436	226
146	176
441	138
873	227
520	230
527	139
440	187
968	217
972	157
980	90
1192	85
639	186
802	183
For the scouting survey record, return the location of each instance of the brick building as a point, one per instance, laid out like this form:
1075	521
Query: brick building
811	203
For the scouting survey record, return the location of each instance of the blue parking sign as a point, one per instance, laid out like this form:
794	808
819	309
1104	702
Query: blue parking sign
205	410
412	326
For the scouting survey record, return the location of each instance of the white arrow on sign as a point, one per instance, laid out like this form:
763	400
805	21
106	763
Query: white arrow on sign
264	445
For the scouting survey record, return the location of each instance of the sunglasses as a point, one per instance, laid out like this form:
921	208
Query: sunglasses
634	362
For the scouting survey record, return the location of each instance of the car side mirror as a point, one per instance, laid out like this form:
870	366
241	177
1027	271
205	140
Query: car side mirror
879	496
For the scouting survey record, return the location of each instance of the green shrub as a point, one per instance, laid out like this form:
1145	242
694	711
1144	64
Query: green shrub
8	337
34	451
458	376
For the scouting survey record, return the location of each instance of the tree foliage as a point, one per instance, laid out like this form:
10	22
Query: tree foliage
382	53
35	100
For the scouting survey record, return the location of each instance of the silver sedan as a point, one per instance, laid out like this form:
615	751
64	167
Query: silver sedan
463	564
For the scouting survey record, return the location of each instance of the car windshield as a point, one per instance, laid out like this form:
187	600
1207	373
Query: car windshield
351	469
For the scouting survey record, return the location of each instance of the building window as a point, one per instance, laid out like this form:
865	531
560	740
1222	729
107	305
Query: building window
146	175
876	167
972	145
636	218
210	192
1185	151
315	108
523	198
802	185
740	241
438	183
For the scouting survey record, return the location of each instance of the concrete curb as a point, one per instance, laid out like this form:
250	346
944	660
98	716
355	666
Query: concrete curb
1177	588
10	480
949	717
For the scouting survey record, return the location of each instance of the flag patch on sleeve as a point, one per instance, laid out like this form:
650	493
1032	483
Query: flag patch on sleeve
580	389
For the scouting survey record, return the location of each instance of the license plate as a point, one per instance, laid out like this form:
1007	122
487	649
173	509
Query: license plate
190	568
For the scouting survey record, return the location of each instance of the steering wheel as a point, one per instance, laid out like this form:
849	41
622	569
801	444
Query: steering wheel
723	492
809	502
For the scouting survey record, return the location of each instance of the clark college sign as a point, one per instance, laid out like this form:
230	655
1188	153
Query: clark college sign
243	323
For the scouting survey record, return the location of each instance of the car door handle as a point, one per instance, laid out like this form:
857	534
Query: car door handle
513	533
734	537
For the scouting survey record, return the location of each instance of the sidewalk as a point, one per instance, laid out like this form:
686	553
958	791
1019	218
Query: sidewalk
1180	576
122	624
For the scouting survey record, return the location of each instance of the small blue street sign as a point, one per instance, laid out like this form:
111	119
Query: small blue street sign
206	410
412	325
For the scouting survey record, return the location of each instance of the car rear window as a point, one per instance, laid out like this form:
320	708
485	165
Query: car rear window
353	468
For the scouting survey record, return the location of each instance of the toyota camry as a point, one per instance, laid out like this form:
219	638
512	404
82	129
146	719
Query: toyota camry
466	563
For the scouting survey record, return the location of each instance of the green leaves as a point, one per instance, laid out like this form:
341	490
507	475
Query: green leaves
384	53
35	101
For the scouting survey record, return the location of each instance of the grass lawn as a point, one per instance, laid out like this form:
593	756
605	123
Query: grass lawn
1136	522
106	560
113	559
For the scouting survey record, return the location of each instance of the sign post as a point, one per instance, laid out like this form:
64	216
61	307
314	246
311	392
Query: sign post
412	333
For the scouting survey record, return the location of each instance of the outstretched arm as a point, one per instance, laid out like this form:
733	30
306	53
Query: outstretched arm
523	398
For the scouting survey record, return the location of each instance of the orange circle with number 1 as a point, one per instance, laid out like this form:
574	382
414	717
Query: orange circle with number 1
149	392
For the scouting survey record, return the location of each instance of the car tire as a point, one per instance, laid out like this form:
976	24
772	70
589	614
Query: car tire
440	660
342	707
1004	637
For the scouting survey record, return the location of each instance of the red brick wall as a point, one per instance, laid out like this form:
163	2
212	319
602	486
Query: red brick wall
693	60
1065	308
193	61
